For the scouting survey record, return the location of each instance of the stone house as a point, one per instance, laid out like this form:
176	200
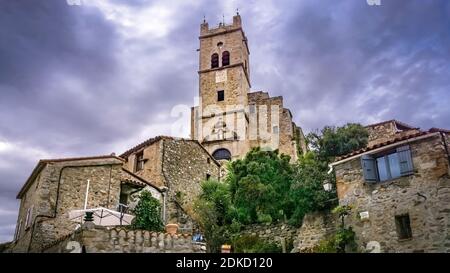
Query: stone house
230	119
171	169
179	165
399	189
58	186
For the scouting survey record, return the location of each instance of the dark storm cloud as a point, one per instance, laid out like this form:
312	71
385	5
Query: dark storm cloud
365	63
86	80
46	49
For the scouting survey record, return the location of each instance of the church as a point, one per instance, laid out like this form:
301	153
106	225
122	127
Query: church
230	119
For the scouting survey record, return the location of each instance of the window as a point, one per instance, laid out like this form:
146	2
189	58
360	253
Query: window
225	58
220	95
208	176
275	129
208	160
19	229
222	154
387	166
252	108
28	218
123	199
403	227
139	161
215	60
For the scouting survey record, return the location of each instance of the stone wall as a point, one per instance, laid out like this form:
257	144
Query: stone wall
447	140
180	165
278	233
424	195
152	166
266	119
381	132
120	240
185	165
315	227
34	199
104	191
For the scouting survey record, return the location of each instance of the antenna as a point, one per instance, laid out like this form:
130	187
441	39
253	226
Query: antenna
223	19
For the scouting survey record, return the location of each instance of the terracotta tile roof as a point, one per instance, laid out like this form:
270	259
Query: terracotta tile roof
80	158
146	143
379	145
440	130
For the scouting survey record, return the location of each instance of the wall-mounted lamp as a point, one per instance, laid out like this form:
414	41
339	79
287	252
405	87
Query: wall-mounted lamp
327	186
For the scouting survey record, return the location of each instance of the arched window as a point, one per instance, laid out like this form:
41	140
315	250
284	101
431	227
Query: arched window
225	58
215	60
222	154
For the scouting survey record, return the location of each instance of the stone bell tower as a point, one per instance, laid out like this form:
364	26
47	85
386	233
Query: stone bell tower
229	119
220	121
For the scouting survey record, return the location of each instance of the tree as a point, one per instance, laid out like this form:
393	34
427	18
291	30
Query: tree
266	187
212	212
336	141
147	213
307	188
259	186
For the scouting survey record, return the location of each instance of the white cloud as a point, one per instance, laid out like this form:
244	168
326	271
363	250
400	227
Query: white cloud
19	151
152	21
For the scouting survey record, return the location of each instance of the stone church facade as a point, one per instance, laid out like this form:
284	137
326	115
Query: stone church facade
230	119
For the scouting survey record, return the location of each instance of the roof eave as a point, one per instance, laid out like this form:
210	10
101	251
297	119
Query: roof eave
384	147
142	179
41	164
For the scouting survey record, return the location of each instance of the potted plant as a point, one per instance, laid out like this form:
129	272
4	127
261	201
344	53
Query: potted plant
172	228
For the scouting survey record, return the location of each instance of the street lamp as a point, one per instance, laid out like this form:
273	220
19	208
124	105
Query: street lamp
327	186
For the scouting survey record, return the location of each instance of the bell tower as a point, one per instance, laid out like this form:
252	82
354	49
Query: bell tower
220	121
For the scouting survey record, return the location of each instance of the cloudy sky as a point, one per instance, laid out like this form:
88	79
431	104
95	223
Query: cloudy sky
97	78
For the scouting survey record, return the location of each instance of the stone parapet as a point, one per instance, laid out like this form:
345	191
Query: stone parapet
122	240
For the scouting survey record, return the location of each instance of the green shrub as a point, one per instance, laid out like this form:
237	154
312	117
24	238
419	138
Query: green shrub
266	187
147	213
324	246
254	244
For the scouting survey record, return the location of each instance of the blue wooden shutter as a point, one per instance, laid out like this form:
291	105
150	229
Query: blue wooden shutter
405	160
369	167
